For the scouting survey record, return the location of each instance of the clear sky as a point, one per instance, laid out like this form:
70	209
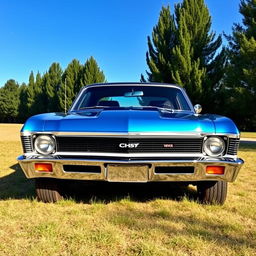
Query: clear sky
35	33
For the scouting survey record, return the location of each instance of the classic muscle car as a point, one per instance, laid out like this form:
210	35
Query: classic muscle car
131	132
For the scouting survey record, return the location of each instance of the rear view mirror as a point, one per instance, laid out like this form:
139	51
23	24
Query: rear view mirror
134	94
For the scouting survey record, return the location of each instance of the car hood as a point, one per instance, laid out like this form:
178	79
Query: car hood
125	121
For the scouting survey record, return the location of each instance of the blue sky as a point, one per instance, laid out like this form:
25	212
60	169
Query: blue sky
35	33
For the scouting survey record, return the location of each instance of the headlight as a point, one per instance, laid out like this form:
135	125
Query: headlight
44	144
214	146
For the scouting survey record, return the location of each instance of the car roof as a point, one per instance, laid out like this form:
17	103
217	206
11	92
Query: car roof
133	83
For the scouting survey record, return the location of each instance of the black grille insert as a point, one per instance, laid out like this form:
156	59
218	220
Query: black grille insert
233	146
82	168
174	169
26	144
129	145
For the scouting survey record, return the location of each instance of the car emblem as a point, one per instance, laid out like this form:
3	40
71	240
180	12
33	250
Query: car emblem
128	145
168	145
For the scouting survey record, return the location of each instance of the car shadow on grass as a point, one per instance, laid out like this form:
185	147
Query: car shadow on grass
104	192
17	186
247	146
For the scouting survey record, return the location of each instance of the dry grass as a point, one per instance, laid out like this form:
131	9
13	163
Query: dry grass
248	135
123	220
10	132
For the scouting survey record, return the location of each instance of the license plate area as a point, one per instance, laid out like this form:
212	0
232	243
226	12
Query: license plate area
127	173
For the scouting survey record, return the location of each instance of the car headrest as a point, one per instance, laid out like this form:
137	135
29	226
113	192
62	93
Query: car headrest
161	103
111	103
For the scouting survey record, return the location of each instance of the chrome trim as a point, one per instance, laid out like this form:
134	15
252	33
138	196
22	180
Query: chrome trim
232	168
229	135
134	84
128	155
230	156
26	133
133	134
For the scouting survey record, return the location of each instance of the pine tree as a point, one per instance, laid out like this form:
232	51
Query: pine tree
241	72
31	93
38	106
196	65
160	54
51	83
91	73
23	112
42	97
70	84
9	101
184	51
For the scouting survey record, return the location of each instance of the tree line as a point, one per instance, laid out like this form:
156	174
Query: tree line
182	49
46	93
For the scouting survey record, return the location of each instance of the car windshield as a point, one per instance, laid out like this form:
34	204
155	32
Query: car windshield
132	97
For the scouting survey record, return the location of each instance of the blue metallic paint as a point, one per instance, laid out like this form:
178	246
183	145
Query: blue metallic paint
129	121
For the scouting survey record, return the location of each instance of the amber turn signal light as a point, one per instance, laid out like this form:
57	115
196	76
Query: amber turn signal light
215	169
42	167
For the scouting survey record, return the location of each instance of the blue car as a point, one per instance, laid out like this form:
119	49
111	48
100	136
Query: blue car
131	132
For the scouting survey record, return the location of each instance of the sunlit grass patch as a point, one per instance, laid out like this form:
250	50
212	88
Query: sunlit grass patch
147	249
163	213
248	134
10	132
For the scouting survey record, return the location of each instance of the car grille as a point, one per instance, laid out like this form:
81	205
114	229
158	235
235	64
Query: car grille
26	144
145	145
233	146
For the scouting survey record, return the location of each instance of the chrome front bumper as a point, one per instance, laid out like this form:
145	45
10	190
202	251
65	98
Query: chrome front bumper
133	170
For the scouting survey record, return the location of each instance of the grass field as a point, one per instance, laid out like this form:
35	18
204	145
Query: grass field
123	220
248	135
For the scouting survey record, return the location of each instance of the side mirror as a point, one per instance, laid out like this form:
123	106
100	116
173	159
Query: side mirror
198	108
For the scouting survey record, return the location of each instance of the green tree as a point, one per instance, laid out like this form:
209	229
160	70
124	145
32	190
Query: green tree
184	51
51	83
91	73
241	71
23	112
160	49
34	95
31	93
70	85
9	101
47	93
38	106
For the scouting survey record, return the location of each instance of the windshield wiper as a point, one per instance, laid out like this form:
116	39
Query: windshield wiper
161	108
92	107
131	107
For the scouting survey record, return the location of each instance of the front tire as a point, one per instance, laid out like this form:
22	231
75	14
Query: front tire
212	192
48	190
